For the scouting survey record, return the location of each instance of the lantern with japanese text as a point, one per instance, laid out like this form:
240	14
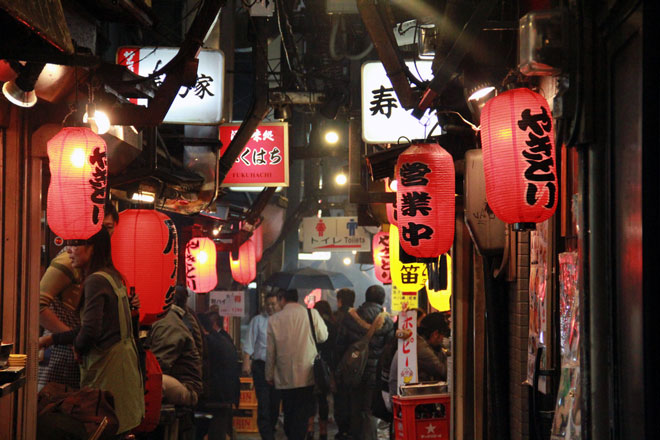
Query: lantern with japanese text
381	253
408	277
201	272
425	200
144	250
440	299
78	183
244	268
519	158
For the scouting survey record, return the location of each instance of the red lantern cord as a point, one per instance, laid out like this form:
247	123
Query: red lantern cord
519	157
78	184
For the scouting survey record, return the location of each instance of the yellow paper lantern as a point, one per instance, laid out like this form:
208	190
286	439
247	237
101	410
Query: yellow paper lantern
408	277
440	299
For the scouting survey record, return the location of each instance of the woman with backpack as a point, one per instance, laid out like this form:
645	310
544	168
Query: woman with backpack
104	344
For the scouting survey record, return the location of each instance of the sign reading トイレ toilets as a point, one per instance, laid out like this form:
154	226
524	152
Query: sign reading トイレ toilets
334	234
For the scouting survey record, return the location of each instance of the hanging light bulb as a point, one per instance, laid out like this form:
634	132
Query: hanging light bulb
98	121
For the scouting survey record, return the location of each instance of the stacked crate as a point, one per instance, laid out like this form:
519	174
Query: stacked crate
245	417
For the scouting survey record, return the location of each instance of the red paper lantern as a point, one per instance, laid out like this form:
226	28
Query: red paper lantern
425	200
201	272
78	183
519	157
258	237
144	250
244	269
381	254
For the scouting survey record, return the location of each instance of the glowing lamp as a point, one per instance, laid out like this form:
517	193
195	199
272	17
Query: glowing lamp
244	269
144	250
201	273
440	299
258	237
519	158
425	200
407	277
381	253
78	183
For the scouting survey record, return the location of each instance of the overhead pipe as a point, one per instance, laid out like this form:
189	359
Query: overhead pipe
383	39
181	71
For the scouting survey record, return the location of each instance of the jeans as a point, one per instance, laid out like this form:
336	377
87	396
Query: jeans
268	400
298	405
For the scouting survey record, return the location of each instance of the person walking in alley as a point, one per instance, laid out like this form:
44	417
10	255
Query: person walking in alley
290	358
342	407
254	361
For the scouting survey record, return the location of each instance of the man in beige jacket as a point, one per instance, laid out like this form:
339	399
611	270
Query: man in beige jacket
290	358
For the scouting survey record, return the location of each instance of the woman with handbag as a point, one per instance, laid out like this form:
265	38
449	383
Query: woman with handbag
104	344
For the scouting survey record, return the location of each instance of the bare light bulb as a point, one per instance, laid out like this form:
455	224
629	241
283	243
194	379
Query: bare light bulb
100	123
331	137
341	179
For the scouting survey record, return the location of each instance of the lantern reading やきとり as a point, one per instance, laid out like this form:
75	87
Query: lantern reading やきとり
244	269
78	183
144	250
381	254
201	272
519	157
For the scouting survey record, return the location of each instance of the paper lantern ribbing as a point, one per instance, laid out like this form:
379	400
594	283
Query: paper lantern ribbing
201	272
381	253
408	277
144	250
519	157
244	269
78	183
425	200
258	237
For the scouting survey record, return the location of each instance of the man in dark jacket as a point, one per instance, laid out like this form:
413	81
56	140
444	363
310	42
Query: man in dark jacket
342	407
224	378
352	328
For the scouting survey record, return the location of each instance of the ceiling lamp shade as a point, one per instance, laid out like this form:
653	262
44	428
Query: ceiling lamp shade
519	158
78	183
201	272
381	253
144	250
244	269
408	277
425	200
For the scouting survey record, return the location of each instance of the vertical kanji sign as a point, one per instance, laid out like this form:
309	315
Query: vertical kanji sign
264	161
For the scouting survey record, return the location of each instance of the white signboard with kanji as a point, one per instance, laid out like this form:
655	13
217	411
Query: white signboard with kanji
200	104
384	120
230	303
334	234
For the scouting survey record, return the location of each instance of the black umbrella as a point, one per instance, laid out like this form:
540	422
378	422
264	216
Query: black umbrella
308	278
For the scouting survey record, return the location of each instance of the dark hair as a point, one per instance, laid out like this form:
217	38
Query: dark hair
205	320
111	210
324	308
375	294
290	295
272	294
101	255
180	295
346	296
432	322
215	319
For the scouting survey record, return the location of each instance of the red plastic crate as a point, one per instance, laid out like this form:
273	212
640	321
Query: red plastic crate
422	417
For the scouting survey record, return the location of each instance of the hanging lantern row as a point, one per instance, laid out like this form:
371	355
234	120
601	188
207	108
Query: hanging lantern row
201	271
244	268
519	158
144	250
78	183
381	254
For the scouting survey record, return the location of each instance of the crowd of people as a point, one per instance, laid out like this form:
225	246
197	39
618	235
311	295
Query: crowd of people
90	327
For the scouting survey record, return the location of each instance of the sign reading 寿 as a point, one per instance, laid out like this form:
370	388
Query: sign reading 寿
334	234
230	303
200	104
384	120
264	161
